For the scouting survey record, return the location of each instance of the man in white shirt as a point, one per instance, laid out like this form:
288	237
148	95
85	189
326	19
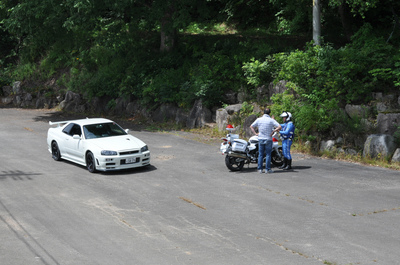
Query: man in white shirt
266	128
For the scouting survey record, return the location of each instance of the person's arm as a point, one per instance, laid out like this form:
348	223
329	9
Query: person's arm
253	125
277	129
252	129
285	132
289	129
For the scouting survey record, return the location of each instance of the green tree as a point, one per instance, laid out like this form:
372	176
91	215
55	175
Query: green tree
36	24
354	13
50	20
357	6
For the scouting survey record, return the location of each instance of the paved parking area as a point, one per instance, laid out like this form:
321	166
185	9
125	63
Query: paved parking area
187	208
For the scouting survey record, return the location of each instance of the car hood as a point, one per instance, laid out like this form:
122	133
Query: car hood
117	143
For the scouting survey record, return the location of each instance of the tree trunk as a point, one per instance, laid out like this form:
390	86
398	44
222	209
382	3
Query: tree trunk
344	18
316	22
168	38
168	32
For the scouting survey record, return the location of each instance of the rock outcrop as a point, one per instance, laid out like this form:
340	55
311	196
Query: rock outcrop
379	146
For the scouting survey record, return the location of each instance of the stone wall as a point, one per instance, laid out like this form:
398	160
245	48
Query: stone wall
381	117
18	96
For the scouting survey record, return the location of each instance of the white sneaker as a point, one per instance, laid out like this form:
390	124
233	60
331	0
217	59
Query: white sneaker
260	171
269	171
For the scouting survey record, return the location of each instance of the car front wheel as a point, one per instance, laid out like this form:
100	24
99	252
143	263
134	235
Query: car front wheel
90	162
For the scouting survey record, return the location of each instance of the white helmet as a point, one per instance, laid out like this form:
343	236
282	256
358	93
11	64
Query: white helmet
286	115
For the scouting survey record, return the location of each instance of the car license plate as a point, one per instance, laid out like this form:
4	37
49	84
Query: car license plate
131	160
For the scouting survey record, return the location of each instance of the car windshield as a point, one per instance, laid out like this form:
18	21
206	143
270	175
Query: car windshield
102	130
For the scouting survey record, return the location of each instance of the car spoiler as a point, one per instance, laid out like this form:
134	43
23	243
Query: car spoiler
58	123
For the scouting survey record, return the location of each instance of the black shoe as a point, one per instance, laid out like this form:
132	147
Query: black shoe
289	165
284	163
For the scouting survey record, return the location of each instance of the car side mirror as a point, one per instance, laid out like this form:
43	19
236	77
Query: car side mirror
76	136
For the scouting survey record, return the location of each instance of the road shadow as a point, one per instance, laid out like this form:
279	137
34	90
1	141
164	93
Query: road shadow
135	170
276	170
17	175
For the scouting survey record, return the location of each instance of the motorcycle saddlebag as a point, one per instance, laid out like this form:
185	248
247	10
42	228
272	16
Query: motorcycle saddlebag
239	145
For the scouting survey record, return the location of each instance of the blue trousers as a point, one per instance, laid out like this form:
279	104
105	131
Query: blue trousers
286	144
264	149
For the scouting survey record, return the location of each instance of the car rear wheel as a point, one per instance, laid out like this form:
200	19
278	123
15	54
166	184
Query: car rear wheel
90	162
55	151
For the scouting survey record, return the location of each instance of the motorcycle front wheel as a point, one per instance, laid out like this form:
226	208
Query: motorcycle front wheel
234	163
277	158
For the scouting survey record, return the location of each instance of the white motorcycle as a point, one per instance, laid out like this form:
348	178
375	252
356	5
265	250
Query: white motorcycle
239	152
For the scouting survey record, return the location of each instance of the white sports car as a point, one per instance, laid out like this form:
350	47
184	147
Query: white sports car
99	144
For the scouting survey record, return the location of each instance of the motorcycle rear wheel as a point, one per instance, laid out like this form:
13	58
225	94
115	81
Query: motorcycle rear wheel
234	163
277	159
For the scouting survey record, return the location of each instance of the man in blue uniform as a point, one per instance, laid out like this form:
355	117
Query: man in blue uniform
287	134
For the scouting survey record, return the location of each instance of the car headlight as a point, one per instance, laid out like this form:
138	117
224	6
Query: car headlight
108	153
144	149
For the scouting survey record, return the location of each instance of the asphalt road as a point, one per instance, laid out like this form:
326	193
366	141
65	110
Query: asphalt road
187	208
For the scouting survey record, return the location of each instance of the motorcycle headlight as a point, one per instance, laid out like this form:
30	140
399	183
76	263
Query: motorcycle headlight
108	153
144	149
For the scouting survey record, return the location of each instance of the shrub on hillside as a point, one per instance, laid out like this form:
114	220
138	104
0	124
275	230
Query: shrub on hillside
322	78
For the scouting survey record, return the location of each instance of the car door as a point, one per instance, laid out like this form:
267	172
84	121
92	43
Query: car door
74	142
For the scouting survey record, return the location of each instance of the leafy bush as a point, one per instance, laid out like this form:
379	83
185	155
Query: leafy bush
5	77
164	87
322	72
98	72
319	78
257	72
308	117
214	74
26	71
390	74
397	136
284	102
